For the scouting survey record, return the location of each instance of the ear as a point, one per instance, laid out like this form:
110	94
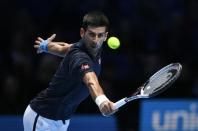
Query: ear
82	32
106	35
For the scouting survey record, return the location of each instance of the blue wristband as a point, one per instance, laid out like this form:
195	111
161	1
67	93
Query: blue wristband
43	47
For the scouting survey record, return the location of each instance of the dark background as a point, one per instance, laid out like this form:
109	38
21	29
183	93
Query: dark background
153	33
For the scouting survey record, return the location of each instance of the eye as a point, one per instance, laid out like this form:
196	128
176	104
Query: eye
100	35
92	34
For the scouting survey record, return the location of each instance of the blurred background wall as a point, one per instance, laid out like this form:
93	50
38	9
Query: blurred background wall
153	33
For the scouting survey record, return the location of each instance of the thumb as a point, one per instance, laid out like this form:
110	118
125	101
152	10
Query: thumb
51	38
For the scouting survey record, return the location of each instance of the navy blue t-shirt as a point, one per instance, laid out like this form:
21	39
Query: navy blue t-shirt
66	89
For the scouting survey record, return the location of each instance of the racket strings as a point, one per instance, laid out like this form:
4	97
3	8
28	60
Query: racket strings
162	79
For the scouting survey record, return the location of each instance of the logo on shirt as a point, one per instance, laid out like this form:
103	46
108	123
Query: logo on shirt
84	66
99	61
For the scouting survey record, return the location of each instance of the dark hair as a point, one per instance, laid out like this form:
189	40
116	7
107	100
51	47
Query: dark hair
95	19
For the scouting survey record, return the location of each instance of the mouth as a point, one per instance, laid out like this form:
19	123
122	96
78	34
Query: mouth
94	45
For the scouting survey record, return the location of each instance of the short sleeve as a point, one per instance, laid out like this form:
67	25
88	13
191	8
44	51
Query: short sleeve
80	64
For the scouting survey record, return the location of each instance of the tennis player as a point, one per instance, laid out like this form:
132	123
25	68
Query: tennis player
75	79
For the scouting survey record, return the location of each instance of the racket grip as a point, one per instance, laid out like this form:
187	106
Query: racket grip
119	103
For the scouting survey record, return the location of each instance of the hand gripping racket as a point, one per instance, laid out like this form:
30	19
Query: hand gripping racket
156	84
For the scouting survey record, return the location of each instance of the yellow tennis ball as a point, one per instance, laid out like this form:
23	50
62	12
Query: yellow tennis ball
113	42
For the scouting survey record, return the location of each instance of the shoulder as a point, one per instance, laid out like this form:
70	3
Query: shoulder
77	52
77	56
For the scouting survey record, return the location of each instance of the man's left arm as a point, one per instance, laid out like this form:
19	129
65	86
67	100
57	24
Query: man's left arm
51	47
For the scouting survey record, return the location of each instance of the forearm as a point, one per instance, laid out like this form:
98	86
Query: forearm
92	83
58	48
104	104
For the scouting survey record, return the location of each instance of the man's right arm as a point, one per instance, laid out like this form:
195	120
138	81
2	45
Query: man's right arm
97	94
48	46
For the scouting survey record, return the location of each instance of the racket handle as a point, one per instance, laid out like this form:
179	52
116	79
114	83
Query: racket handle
119	103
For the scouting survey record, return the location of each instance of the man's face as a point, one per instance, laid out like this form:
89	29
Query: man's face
94	38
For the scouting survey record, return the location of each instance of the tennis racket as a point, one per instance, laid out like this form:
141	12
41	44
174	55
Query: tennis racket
156	84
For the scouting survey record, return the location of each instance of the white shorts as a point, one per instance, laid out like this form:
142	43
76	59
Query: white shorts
34	122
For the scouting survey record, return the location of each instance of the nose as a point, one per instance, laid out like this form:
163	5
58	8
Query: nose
96	39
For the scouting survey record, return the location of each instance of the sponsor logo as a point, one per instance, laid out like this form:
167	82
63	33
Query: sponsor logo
170	116
84	66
